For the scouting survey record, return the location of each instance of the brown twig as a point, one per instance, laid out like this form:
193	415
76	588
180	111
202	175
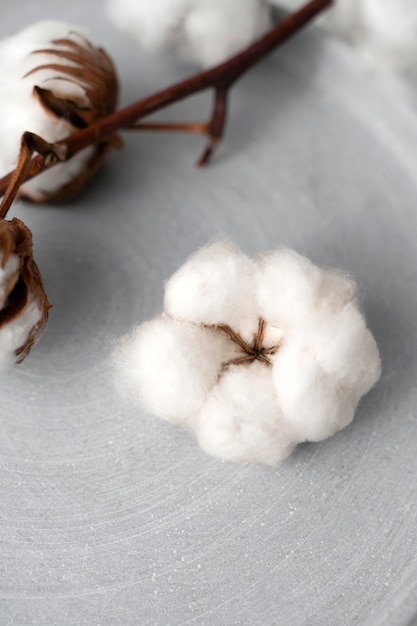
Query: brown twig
220	78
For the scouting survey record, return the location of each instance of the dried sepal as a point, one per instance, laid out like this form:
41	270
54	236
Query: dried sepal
88	67
91	69
23	288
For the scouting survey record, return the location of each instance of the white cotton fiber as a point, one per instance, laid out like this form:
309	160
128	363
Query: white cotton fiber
351	354
170	367
287	287
291	288
205	32
242	421
383	31
8	275
295	374
14	335
214	287
314	405
391	34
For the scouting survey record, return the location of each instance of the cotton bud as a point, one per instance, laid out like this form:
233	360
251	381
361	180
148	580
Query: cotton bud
253	355
54	82
205	32
24	305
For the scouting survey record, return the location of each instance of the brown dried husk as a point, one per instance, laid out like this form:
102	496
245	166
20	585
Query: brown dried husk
16	238
91	69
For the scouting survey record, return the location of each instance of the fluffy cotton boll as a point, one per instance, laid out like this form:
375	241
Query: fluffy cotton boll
383	31
215	286
8	276
391	34
205	32
32	58
15	334
295	372
170	367
241	420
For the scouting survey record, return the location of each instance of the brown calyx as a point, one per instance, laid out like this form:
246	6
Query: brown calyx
252	352
25	286
92	70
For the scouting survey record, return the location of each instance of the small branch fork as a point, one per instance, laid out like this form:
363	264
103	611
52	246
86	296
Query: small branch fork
219	78
254	352
29	144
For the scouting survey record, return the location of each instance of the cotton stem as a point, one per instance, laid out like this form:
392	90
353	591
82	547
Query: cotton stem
220	78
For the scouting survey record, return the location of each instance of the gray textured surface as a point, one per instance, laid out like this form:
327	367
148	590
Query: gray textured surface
112	518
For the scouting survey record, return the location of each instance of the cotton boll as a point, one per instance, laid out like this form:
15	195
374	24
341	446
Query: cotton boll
19	110
32	58
215	286
313	403
241	420
170	367
16	333
391	34
383	31
254	356
205	32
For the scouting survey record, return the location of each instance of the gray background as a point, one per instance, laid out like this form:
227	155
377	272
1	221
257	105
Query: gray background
114	518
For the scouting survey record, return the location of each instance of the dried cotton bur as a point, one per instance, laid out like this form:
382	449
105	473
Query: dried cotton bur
253	355
23	303
54	82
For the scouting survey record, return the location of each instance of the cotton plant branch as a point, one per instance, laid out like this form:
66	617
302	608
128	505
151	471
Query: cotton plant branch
219	78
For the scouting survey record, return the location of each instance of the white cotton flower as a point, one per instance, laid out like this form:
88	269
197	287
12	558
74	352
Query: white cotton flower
205	32
383	31
254	356
54	82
